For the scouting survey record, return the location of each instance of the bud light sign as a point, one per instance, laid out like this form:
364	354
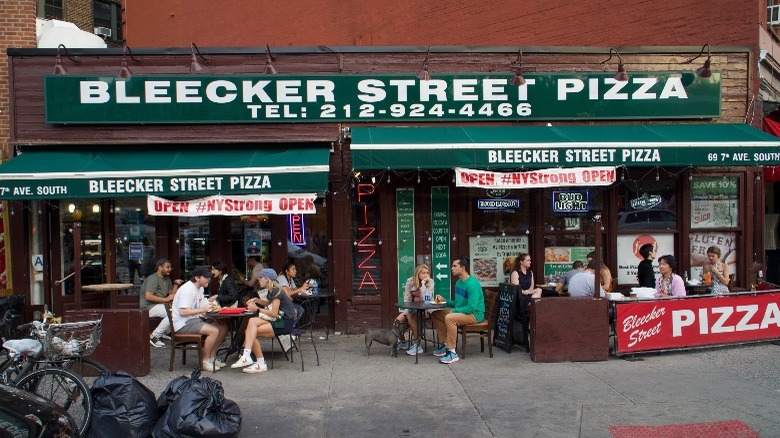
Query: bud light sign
570	201
498	204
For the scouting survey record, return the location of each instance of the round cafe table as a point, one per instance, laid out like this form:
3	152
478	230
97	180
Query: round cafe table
110	289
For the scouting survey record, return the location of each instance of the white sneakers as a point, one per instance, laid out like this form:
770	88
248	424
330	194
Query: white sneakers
219	363
242	362
256	367
209	365
414	350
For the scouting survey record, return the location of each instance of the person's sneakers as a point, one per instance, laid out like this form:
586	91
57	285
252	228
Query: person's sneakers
242	362
439	352
414	350
403	345
209	365
286	342
256	368
156	342
165	337
220	363
450	357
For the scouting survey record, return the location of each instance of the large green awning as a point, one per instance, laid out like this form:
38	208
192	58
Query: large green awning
533	147
220	169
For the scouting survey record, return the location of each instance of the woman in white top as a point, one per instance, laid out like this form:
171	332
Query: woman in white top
286	280
417	286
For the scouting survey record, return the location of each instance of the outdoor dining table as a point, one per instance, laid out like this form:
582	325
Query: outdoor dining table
235	321
421	307
110	289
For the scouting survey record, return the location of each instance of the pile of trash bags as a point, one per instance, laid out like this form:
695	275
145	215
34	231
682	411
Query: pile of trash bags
188	407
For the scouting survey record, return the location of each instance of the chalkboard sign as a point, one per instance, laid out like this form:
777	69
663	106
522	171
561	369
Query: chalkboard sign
507	294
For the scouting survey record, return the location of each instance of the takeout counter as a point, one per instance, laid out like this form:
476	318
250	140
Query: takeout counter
645	325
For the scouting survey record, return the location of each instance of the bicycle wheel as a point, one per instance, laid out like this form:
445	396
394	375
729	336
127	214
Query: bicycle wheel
86	368
66	389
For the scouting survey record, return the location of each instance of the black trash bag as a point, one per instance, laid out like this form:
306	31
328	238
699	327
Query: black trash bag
197	408
123	407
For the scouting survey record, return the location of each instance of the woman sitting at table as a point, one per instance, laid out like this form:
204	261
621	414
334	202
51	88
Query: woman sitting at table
277	303
605	273
719	271
228	289
286	281
668	284
415	289
523	276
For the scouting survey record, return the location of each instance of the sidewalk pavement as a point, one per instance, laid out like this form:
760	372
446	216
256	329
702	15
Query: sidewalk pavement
351	394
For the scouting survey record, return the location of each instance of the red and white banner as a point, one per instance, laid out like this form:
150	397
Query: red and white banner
233	205
696	321
571	177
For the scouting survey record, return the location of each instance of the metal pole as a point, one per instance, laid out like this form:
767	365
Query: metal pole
597	255
77	263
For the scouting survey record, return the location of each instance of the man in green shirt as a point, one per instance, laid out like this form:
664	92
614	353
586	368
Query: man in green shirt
467	308
157	290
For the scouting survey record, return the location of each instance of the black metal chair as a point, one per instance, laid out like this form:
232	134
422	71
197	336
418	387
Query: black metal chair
304	324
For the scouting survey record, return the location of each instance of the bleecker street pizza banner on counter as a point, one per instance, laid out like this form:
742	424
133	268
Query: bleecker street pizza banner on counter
236	205
572	177
666	324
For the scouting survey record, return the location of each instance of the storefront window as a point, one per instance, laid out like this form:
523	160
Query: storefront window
569	228
714	202
307	245
647	205
135	240
87	214
702	241
193	243
251	236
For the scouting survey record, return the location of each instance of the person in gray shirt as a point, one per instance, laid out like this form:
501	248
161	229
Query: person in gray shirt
576	268
583	283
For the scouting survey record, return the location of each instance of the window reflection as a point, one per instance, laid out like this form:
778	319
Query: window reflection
87	214
647	205
135	240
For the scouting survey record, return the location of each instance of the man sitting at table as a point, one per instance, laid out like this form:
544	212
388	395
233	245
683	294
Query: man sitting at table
157	290
188	310
467	308
576	268
583	284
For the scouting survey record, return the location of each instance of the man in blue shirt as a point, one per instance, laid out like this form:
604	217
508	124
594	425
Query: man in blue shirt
467	308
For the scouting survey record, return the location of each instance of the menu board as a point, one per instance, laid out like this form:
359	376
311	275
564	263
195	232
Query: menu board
558	260
714	202
505	320
492	257
440	232
404	210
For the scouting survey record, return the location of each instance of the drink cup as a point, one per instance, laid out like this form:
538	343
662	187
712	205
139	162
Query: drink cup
708	279
633	295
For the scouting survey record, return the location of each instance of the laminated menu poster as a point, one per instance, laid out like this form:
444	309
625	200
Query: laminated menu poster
558	261
492	257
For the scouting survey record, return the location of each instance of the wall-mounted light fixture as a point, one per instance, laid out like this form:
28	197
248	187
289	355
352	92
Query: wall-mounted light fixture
124	71
425	74
269	65
621	74
518	80
196	66
59	69
703	71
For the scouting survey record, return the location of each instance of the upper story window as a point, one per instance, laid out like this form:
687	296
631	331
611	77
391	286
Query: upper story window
108	20
51	9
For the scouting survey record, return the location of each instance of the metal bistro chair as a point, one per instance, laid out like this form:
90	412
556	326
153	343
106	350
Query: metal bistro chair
183	342
308	308
485	328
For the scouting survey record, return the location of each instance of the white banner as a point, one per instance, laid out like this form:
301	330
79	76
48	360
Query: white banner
233	205
576	176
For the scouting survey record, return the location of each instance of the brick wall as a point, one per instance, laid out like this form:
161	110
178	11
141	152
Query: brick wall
17	29
79	12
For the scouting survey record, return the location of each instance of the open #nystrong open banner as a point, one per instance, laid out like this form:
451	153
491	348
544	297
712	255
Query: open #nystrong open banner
577	176
235	205
696	321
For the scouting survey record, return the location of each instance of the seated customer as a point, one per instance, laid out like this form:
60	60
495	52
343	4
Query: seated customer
576	268
668	283
644	273
277	303
584	283
286	280
415	289
606	274
228	289
157	290
719	271
188	309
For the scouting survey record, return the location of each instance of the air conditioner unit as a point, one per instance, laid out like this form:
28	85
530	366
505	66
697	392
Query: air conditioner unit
103	32
773	15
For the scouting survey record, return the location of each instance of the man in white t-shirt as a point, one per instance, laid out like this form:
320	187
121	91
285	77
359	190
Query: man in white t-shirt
189	306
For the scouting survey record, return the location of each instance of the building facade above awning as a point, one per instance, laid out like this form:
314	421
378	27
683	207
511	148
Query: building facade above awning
165	171
535	147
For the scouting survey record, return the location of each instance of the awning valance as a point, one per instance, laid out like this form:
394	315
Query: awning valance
220	169
535	147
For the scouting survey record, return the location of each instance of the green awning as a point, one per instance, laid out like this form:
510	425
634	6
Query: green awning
534	147
220	169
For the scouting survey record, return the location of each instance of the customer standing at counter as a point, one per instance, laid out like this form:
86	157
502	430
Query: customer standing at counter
718	271
668	283
645	273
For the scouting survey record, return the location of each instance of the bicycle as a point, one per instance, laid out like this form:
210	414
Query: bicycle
47	368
